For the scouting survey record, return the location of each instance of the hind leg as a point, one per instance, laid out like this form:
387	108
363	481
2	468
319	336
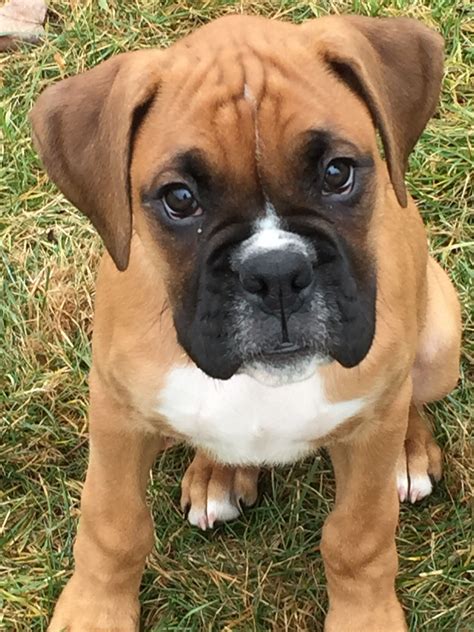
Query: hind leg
435	373
420	462
436	369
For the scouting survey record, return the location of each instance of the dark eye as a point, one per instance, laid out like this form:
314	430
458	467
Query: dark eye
338	177
179	202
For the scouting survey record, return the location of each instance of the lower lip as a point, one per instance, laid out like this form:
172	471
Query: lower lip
285	350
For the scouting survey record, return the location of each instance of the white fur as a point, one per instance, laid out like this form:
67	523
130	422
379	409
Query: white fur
402	485
243	421
248	96
268	235
198	518
297	372
420	486
222	510
271	217
413	488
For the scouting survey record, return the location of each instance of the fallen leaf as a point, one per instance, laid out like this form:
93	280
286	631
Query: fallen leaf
59	59
21	20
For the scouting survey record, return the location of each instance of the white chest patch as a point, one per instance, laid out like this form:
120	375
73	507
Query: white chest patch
242	421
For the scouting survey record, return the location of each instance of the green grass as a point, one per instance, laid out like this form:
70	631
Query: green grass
263	572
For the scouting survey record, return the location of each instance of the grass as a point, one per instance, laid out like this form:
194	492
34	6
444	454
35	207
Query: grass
263	572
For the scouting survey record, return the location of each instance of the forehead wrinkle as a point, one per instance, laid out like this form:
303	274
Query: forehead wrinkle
185	76
269	77
256	73
232	108
231	136
255	90
233	116
284	68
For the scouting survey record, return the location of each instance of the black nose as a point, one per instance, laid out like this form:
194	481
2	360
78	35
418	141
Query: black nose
277	278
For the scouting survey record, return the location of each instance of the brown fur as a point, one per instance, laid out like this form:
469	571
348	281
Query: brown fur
413	358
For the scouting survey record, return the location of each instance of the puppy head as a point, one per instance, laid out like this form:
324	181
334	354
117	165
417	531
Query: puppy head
245	158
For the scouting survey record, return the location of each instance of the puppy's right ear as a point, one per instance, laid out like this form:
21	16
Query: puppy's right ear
84	127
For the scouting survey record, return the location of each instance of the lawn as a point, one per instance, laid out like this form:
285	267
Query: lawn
264	571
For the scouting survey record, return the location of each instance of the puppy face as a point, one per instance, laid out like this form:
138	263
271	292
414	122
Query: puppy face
254	194
245	159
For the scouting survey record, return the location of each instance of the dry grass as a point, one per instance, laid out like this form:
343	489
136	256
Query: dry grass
264	571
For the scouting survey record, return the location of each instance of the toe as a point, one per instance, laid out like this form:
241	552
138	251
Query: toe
402	486
221	510
221	501
422	455
213	493
420	487
246	485
435	460
417	467
402	477
197	492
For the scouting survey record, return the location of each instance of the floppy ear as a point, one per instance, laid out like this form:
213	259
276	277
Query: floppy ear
396	66
83	128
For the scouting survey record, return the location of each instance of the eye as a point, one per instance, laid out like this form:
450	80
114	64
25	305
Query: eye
338	177
180	203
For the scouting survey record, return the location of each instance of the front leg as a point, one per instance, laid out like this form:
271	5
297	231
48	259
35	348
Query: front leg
358	541
115	531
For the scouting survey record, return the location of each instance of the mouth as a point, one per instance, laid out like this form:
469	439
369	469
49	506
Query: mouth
288	357
284	364
286	350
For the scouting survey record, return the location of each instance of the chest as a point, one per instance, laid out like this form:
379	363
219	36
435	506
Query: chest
243	421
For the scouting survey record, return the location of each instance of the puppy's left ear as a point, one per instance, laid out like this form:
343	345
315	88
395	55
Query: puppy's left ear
84	127
395	65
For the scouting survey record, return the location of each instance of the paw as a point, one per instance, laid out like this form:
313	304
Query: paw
376	617
212	493
81	609
418	466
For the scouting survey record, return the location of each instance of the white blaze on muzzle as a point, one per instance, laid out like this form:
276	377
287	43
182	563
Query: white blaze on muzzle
269	236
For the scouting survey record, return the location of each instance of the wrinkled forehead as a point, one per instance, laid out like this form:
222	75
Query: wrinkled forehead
248	103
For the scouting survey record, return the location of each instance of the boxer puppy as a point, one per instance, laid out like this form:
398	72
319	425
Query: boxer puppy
266	289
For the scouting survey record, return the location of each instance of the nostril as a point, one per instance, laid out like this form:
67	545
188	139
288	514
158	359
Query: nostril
253	283
269	275
302	278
